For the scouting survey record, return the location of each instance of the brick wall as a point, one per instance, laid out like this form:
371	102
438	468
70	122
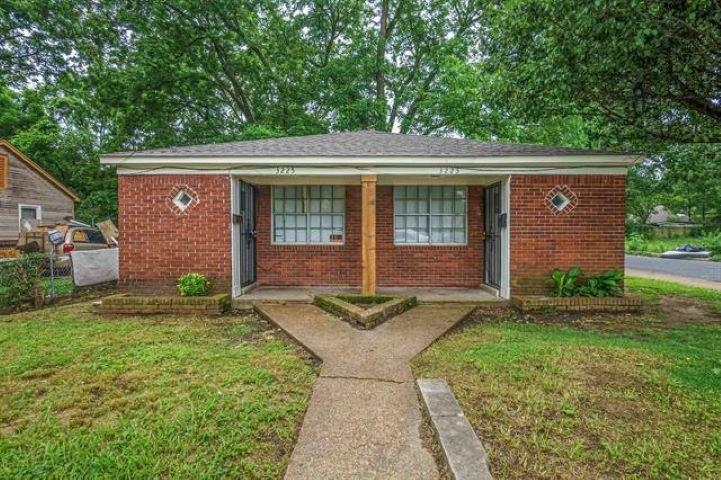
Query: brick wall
158	245
395	265
591	235
415	265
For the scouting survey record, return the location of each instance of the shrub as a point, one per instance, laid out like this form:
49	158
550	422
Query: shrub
607	284
20	280
565	282
636	242
193	285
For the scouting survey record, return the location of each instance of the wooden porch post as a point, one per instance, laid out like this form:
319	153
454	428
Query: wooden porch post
368	233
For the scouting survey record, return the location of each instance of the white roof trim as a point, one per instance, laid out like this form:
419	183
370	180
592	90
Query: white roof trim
263	173
230	162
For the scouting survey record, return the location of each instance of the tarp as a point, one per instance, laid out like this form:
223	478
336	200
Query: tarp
91	267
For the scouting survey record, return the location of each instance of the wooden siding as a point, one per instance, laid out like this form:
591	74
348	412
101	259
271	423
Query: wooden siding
26	186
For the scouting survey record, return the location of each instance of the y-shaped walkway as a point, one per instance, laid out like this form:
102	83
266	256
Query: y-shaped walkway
364	417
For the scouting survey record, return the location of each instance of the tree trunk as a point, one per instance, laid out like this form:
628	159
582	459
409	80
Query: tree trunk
380	103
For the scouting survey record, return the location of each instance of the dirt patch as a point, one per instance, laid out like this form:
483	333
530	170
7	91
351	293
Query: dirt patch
671	312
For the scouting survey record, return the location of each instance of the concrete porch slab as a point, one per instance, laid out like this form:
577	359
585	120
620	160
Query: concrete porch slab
423	294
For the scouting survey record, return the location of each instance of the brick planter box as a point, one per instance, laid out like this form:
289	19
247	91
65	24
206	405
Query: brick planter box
130	304
364	318
536	303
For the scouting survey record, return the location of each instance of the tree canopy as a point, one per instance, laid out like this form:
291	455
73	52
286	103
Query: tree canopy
91	76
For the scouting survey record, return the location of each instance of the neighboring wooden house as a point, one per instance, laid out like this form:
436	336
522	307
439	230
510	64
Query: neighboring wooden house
28	195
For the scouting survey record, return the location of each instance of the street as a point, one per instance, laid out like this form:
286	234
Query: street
695	269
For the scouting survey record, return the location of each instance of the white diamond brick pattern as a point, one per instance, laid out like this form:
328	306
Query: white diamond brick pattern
169	200
568	193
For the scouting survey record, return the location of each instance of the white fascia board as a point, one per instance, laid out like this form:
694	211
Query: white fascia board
229	162
264	173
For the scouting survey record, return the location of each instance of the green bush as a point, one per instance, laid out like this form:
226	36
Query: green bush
636	242
193	285
607	284
565	282
20	279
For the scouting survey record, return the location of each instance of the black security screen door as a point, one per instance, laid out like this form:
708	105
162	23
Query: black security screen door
248	233
492	242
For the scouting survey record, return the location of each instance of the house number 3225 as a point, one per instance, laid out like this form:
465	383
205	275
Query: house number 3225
284	171
449	171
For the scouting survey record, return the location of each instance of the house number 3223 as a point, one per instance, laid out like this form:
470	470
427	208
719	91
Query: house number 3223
284	171
449	171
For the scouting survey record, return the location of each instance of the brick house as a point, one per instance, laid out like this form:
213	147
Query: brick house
368	209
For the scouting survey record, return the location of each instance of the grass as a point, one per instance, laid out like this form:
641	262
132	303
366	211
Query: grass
641	245
653	290
365	301
596	397
84	396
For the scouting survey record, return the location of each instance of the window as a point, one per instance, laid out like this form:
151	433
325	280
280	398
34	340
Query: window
80	236
94	236
309	214
429	215
560	201
28	215
182	200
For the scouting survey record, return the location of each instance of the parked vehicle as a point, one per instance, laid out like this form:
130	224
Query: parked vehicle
83	238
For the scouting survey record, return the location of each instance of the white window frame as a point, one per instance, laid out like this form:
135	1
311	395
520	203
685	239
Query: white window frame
176	199
38	214
307	213
430	243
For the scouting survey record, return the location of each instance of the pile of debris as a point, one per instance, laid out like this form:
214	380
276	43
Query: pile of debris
36	238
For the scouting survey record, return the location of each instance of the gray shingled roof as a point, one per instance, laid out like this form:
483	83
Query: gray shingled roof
363	144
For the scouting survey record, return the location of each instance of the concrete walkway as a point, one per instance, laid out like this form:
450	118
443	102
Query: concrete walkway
364	416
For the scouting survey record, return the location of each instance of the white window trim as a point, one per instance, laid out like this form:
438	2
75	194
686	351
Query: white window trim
176	200
290	244
429	214
38	213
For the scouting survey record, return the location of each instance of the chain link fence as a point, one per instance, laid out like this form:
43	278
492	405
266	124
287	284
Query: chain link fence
34	279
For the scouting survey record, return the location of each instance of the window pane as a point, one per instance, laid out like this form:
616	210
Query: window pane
314	206
315	236
28	213
278	206
400	206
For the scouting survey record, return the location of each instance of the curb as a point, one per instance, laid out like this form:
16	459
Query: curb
463	451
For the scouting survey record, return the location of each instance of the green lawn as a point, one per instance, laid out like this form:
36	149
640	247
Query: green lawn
641	245
84	396
593	396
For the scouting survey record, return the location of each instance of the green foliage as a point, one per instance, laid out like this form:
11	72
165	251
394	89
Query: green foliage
155	73
193	285
20	279
565	282
636	242
607	284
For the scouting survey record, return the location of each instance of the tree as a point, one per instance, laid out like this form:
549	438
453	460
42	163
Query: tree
646	71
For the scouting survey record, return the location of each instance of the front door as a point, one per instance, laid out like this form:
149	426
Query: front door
248	233
492	242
